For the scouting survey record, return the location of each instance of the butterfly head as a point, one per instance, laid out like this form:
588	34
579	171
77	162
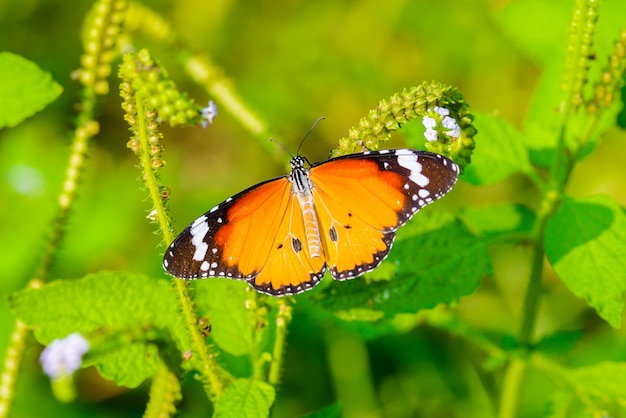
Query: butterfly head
297	163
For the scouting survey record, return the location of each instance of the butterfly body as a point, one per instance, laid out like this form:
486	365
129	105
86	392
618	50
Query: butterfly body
302	187
281	235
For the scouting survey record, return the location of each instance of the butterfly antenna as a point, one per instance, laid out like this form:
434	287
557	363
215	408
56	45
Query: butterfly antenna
309	132
282	146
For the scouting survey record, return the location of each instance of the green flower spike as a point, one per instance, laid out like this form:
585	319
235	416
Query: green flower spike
612	78
101	32
150	82
579	50
445	115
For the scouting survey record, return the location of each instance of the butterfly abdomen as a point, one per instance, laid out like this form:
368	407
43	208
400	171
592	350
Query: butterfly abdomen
302	187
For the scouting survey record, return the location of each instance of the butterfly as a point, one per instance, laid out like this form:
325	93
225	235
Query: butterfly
339	215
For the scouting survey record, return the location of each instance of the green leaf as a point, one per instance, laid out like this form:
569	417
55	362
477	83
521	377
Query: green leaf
127	366
223	302
500	151
497	219
436	261
586	241
105	301
560	405
245	398
24	89
559	343
604	381
595	390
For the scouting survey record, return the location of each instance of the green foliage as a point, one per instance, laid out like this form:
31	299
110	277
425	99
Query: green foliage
498	220
586	243
487	305
24	89
117	307
245	398
504	155
218	300
435	261
586	388
603	381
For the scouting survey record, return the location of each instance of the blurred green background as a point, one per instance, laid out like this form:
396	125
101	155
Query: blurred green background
292	62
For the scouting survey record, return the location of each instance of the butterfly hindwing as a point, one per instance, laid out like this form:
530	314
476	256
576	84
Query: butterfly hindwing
289	269
361	201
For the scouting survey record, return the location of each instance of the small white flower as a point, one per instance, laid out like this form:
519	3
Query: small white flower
454	133
208	114
431	135
453	128
428	122
438	122
64	356
442	111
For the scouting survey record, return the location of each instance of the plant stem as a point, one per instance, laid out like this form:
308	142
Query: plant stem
208	367
510	388
282	323
533	294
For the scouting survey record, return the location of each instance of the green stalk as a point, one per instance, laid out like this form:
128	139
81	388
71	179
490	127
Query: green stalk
282	324
511	384
209	368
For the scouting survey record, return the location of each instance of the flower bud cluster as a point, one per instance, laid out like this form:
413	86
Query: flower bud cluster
100	35
150	82
421	101
611	79
579	49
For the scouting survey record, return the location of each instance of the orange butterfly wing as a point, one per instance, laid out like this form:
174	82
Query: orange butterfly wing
252	236
361	202
290	269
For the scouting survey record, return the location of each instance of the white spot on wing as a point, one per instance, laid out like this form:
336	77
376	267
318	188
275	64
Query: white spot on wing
409	161
198	233
199	221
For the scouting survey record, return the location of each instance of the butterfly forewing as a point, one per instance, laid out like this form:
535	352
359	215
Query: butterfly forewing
361	202
257	235
234	238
